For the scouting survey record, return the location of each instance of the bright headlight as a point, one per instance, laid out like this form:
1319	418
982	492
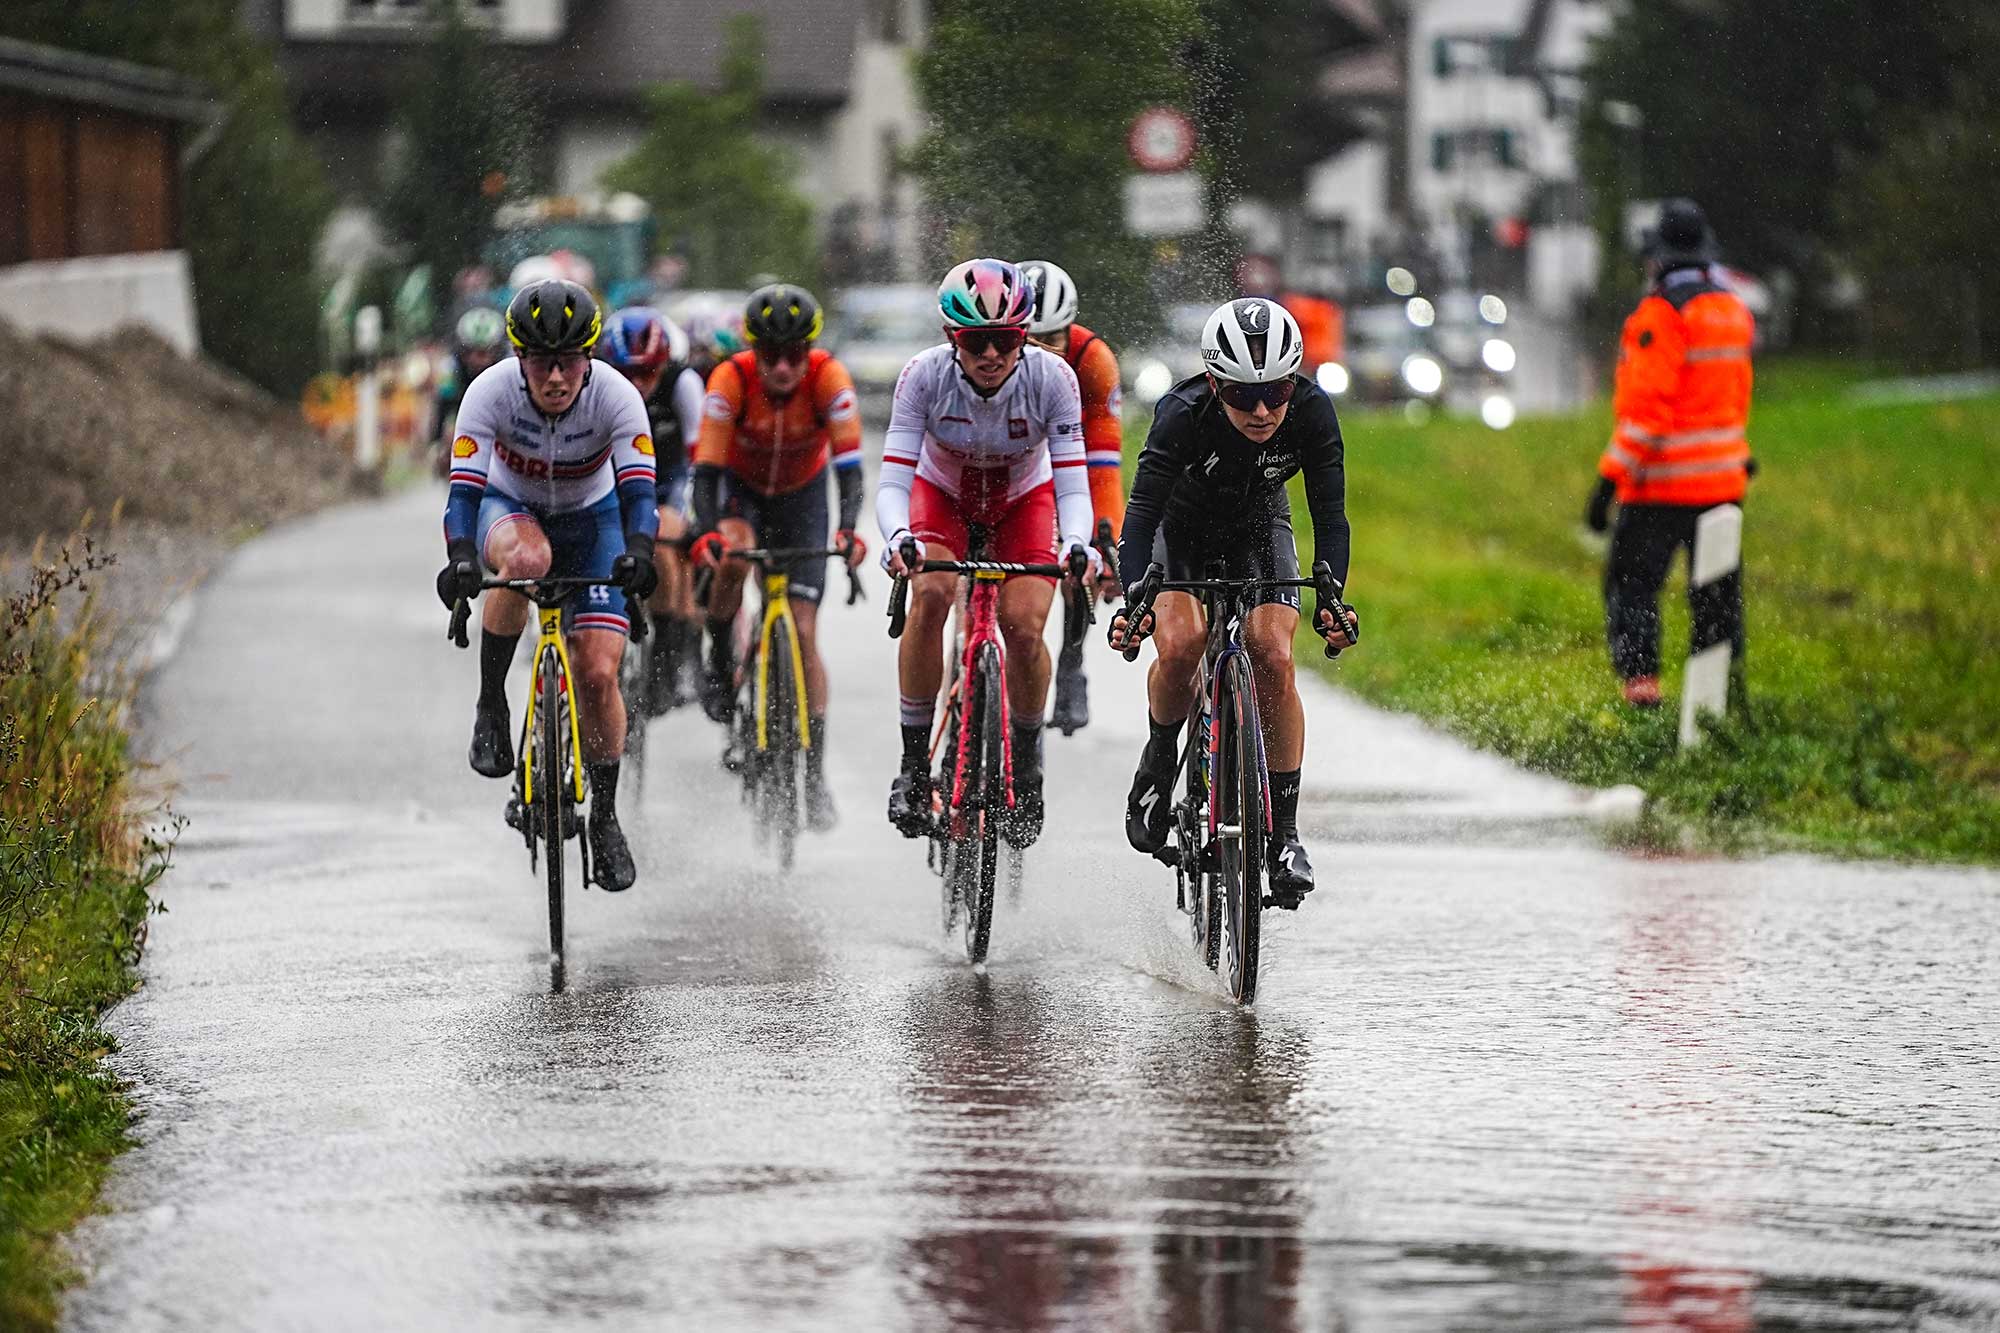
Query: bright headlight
1498	354
1497	411
1152	381
1332	377
1423	375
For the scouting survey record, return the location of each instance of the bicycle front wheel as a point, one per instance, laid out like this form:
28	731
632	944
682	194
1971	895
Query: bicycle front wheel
986	785
1238	800
779	764
552	793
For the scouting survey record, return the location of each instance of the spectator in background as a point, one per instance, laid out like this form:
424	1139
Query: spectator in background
1678	448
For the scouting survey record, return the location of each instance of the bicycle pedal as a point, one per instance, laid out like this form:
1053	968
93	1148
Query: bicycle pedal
516	815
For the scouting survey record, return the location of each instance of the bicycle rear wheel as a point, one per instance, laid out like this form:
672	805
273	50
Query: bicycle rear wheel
1205	909
779	764
1238	800
552	778
986	785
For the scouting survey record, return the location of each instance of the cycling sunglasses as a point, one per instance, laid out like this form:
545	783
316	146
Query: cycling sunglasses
541	363
1002	340
1245	397
794	354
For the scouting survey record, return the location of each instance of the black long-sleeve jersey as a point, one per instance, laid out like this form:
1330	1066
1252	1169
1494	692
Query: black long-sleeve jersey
1199	473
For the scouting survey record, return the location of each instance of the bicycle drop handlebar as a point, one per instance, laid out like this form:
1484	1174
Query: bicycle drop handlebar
1075	568
786	555
548	591
1326	597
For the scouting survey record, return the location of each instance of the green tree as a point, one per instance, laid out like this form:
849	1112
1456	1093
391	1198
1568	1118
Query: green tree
1029	105
1763	112
257	198
457	149
723	197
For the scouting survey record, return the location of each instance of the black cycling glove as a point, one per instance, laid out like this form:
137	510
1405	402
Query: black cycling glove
634	569
1597	514
460	576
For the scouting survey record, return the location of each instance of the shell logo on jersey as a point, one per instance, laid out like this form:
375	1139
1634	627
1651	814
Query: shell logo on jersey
464	447
644	444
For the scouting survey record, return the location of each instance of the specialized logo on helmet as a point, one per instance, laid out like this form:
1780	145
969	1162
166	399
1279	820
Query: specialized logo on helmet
1253	317
464	447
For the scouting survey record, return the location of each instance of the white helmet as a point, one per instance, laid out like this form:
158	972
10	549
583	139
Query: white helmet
1055	296
1252	340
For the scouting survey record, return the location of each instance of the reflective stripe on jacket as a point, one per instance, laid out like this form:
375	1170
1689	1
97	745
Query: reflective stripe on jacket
1682	402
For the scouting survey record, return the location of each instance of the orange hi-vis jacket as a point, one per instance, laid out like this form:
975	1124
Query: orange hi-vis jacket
1103	422
1682	402
775	448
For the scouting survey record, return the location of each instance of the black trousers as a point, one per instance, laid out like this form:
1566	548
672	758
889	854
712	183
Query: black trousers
1643	543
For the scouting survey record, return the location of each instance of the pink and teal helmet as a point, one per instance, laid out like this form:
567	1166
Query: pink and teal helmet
985	293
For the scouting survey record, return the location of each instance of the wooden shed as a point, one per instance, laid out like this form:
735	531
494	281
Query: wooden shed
90	153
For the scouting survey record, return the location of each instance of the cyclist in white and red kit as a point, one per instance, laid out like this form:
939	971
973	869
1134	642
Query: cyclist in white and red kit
987	432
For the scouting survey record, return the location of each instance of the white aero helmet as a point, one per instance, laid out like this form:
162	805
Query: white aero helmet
1252	340
1055	296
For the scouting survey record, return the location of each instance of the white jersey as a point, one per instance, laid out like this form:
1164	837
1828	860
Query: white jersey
552	464
985	451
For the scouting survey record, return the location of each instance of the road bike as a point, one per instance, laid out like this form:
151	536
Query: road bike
1222	817
548	764
771	731
974	791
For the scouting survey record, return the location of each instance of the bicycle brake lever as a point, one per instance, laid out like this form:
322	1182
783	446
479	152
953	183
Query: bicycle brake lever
460	614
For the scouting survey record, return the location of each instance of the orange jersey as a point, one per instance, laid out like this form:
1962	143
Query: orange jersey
777	447
1103	421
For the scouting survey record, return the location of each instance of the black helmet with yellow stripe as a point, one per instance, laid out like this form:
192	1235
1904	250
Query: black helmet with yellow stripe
782	313
555	315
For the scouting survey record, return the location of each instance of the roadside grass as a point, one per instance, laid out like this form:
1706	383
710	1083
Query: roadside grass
1871	540
75	874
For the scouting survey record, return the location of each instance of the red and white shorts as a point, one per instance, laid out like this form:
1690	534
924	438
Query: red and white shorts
1024	533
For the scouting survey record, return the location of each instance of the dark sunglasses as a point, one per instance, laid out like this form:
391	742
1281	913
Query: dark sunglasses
1004	341
541	363
790	353
1245	397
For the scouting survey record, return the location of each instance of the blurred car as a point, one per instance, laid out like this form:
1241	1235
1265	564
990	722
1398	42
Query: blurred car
1153	369
1390	358
876	329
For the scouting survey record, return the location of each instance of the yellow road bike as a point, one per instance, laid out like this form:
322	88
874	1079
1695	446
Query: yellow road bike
772	731
548	765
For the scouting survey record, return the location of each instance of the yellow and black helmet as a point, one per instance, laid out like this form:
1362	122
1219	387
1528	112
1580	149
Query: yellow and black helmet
555	315
782	313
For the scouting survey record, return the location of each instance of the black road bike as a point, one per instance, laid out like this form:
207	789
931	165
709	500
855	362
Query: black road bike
1222	814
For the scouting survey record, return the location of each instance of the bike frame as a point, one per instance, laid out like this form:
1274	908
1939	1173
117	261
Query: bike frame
980	625
549	638
778	608
1225	641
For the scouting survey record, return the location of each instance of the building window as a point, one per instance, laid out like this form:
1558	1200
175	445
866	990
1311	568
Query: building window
1452	150
1471	52
410	12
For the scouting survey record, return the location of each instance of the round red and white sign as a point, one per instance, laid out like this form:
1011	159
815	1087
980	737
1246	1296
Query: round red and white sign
1161	139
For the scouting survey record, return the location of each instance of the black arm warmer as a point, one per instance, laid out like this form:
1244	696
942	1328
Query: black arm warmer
848	479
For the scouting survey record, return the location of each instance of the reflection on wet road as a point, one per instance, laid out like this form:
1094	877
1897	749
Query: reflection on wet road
1497	1077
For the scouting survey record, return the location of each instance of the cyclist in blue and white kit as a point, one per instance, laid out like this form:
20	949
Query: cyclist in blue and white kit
552	473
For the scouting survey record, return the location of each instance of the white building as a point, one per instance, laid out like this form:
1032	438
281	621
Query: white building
1484	95
837	86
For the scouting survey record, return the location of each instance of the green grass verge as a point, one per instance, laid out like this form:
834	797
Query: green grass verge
1871	539
74	879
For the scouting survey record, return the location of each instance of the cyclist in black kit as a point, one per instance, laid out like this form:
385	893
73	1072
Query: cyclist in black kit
1211	486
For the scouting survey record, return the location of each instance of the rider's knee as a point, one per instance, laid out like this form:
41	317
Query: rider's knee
597	672
930	600
1271	654
1179	647
527	557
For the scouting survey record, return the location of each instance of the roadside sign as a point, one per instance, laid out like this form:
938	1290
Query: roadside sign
1161	140
1164	205
1718	553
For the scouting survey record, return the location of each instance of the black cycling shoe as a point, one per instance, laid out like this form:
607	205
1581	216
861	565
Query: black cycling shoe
821	817
492	753
1072	711
1023	824
1288	870
610	858
910	802
718	693
1149	807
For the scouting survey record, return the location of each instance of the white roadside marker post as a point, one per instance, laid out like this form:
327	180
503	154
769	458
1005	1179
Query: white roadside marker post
368	393
1718	552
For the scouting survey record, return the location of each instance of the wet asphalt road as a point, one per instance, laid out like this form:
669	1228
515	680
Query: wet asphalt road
1497	1077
